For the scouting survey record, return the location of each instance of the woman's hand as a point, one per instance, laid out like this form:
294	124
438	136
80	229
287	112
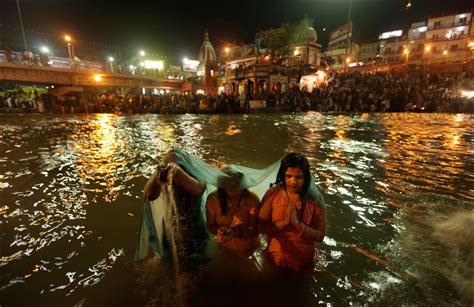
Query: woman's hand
294	217
166	171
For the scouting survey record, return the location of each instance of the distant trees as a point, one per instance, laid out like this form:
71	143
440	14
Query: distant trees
278	42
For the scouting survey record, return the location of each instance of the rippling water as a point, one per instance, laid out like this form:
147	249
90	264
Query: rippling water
399	190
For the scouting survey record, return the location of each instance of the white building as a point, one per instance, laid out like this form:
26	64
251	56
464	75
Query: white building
392	47
447	39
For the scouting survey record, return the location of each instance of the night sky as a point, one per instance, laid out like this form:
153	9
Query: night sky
174	29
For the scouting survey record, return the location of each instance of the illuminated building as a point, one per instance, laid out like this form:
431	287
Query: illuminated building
343	46
252	67
368	52
391	46
207	70
448	38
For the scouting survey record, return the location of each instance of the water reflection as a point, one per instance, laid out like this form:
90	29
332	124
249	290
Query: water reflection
72	187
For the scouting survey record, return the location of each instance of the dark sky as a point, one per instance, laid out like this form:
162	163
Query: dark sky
175	28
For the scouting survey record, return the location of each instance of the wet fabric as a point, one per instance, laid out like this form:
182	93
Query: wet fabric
152	234
287	249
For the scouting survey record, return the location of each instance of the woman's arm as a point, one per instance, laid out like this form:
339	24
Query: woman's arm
317	231
265	224
181	178
194	187
152	187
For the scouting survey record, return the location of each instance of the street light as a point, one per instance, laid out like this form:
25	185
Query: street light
142	53
44	49
445	53
406	52
111	60
70	47
427	49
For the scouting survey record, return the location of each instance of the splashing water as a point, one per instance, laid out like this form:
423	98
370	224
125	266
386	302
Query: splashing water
443	247
174	234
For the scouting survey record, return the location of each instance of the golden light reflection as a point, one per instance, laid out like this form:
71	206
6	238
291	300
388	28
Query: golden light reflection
232	130
341	134
419	145
99	158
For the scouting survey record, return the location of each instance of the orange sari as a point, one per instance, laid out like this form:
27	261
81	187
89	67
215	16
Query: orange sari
287	248
243	246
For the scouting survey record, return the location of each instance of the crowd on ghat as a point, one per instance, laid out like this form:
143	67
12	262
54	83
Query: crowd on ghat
343	92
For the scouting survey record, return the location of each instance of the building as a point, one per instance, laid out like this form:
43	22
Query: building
448	37
251	68
392	45
343	47
207	70
368	52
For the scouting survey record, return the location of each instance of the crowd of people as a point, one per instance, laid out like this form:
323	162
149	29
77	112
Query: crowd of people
342	92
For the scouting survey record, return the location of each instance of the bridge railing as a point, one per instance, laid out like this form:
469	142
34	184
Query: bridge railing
55	62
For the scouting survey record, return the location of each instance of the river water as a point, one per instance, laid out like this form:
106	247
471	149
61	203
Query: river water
399	190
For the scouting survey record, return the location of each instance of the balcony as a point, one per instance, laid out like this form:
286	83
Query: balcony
448	25
444	38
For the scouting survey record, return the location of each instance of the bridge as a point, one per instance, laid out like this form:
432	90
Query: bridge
67	73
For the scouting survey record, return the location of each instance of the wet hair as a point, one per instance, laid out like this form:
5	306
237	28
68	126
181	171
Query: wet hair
295	160
223	199
221	193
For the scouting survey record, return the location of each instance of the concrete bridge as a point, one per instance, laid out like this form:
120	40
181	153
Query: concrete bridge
81	75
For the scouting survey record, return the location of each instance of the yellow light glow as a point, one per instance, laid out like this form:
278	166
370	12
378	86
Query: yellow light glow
471	45
348	60
97	78
296	52
445	52
67	38
406	51
227	49
428	48
153	64
467	94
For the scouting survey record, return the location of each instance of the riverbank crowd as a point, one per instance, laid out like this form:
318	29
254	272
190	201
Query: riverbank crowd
342	92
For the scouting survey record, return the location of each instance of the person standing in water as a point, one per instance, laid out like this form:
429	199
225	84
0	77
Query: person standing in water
232	217
188	192
292	217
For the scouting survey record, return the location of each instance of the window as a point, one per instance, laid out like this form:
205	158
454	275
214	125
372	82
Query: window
454	47
437	24
435	36
463	20
422	34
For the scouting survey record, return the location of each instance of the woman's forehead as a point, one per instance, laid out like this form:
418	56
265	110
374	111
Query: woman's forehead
294	170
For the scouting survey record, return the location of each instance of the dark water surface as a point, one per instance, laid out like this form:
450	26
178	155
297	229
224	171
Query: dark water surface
399	190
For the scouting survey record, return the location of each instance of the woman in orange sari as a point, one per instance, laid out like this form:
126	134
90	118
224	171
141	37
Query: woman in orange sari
232	217
292	217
